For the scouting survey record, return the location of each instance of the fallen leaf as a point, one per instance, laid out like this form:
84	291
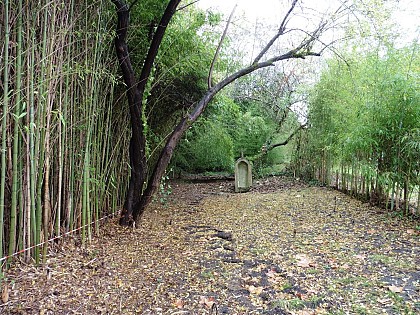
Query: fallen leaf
395	289
207	301
411	231
300	295
5	294
312	291
271	273
319	240
255	290
304	261
319	311
345	266
333	264
385	301
179	303
303	312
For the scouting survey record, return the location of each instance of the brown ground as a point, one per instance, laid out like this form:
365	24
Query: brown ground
283	248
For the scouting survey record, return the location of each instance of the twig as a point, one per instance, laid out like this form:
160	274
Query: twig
187	5
280	32
132	4
219	47
88	263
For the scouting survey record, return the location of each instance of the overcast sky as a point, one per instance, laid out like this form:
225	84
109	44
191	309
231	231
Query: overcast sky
408	14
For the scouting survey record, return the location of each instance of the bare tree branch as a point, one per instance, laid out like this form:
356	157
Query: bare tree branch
285	142
278	34
187	5
216	54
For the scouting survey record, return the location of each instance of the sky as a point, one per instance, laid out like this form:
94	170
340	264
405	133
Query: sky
253	16
408	15
252	8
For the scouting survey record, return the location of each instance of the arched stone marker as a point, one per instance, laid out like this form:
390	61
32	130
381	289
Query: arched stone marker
243	175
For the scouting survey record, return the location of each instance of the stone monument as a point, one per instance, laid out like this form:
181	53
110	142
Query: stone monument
243	175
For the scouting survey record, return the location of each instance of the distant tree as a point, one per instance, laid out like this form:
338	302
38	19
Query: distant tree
277	93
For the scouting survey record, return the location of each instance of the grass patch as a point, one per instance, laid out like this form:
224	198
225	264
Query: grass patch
207	274
383	259
359	280
312	271
359	309
292	305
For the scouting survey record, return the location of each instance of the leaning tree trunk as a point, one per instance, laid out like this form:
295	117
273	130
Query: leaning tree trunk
137	200
189	119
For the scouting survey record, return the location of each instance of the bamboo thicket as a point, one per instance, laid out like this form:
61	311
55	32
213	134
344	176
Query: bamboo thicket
365	129
62	132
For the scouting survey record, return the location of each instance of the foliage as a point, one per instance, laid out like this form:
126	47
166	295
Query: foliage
365	115
180	73
271	95
256	113
252	133
210	148
228	128
165	189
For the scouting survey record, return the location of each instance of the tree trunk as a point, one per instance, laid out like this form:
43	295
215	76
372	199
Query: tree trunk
336	180
135	92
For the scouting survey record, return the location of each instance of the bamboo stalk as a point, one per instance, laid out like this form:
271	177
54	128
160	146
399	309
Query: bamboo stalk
41	133
406	195
4	122
61	125
32	222
17	118
363	184
336	179
60	165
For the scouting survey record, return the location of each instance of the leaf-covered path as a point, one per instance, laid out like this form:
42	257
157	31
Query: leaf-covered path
283	248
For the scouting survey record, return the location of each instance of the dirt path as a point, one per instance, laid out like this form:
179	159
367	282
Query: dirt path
283	248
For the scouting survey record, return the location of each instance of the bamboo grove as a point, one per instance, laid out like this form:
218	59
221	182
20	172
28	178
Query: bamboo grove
364	134
62	136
